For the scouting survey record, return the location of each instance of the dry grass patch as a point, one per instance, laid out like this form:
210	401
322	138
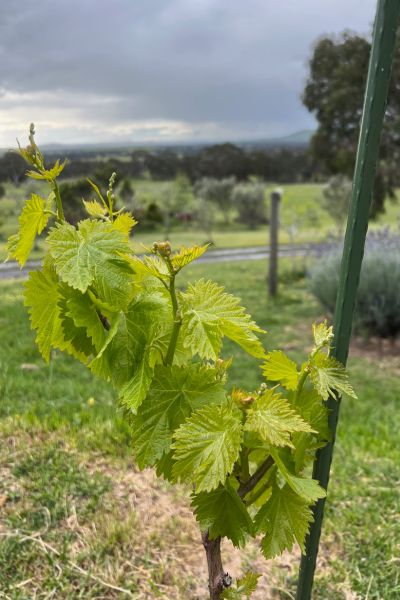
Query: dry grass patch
84	522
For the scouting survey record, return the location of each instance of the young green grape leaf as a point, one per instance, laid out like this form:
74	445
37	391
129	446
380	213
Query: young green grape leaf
124	222
274	419
305	446
48	174
149	266
187	255
137	345
91	254
95	209
245	586
223	513
278	367
75	335
309	489
284	518
133	392
322	334
314	411
174	394
209	313
32	220
164	466
81	309
114	283
329	376
207	445
42	297
101	365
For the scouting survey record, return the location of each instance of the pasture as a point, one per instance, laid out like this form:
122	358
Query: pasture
77	520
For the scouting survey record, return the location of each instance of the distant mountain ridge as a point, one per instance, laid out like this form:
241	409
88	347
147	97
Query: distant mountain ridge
297	139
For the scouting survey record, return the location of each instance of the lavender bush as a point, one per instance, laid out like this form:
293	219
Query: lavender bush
377	310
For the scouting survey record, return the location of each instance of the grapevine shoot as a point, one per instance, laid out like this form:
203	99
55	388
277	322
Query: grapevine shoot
245	454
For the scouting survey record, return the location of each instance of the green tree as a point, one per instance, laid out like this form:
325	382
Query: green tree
223	160
336	199
334	93
176	197
12	167
72	193
218	192
127	193
249	199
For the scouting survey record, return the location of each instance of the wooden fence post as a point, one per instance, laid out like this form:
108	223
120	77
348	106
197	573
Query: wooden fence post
273	242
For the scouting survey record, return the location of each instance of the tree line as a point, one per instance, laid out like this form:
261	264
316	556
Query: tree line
217	161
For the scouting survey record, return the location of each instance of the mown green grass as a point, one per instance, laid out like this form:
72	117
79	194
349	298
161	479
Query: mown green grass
48	414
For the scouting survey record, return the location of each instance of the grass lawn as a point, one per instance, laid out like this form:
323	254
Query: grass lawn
77	520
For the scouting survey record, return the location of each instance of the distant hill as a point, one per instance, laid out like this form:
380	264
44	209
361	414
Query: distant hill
298	139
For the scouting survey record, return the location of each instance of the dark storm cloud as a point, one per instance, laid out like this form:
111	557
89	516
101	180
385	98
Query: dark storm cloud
215	67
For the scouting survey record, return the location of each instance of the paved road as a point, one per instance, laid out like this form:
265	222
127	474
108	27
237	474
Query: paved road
11	270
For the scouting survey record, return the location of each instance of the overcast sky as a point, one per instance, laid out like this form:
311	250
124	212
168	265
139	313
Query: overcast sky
133	70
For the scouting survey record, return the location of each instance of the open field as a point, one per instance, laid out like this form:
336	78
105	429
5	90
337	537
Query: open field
78	521
302	219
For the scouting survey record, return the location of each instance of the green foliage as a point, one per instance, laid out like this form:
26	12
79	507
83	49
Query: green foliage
250	203
210	314
175	392
278	367
160	348
284	519
377	308
216	191
207	445
33	219
329	375
334	93
336	199
42	297
223	514
274	420
245	586
89	255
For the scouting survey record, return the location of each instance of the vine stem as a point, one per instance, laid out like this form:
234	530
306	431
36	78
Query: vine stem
302	380
218	580
251	483
177	322
60	210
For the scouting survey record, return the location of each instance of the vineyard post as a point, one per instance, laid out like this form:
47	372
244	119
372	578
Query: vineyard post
383	43
273	244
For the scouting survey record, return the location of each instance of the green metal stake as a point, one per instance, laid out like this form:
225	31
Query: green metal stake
383	43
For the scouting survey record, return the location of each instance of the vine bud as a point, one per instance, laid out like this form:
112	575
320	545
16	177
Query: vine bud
242	398
163	249
111	181
262	389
